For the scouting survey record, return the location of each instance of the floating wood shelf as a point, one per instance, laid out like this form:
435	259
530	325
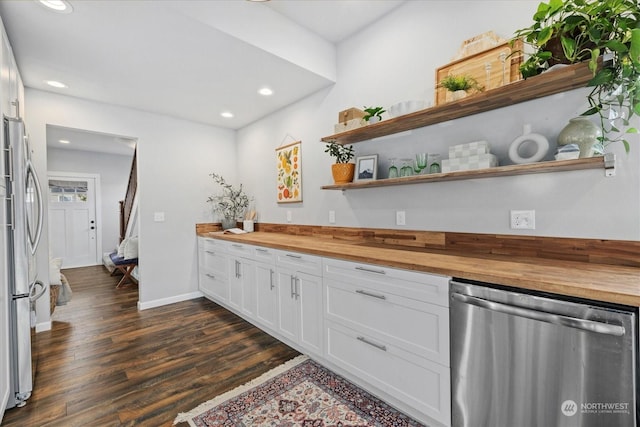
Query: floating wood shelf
567	78
607	163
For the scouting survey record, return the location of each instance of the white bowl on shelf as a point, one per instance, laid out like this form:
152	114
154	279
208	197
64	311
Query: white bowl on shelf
406	107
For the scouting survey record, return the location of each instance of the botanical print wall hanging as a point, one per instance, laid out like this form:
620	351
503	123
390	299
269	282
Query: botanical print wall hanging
289	173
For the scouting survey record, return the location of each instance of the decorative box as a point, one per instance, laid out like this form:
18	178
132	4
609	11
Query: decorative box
348	125
350	114
469	149
480	161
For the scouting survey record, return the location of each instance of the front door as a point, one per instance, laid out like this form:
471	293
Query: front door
73	226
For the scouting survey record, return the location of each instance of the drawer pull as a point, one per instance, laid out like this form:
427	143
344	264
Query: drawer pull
294	256
369	294
235	245
370	270
210	252
373	344
262	250
211	276
271	285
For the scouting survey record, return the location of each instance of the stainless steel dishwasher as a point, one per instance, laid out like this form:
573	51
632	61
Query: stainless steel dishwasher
521	359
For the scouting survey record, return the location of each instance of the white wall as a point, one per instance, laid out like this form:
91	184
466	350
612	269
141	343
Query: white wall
114	172
174	160
395	60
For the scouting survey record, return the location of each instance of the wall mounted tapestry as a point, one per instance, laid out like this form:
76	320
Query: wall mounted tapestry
289	173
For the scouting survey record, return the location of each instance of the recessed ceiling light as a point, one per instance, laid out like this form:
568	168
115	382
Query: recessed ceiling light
64	141
265	91
226	114
60	6
55	83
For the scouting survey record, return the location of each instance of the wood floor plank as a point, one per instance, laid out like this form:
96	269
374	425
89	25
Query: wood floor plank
104	363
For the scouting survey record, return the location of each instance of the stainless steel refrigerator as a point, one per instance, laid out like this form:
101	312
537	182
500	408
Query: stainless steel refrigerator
24	216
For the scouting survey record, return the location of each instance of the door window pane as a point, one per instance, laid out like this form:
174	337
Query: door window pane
67	191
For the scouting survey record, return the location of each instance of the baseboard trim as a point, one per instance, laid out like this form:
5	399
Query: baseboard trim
44	326
166	301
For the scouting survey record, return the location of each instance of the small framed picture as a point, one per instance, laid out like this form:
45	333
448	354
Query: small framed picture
367	168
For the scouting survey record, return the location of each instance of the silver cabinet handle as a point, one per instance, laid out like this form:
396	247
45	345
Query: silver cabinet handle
235	245
238	275
373	344
542	316
271	285
293	293
297	287
262	250
210	276
371	270
294	256
370	294
210	252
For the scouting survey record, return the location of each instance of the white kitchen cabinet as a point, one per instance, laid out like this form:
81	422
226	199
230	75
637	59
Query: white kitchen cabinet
9	88
300	316
242	285
390	328
266	295
212	269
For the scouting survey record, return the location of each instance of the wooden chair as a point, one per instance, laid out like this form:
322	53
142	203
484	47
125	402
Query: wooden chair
124	266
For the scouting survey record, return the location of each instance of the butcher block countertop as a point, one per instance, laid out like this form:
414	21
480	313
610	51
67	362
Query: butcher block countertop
601	282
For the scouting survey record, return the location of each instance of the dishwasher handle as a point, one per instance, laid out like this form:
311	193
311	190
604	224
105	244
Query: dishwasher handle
542	316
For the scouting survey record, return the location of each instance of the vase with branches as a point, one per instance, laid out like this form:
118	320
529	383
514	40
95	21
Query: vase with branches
230	204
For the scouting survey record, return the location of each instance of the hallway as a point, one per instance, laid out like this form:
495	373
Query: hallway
104	363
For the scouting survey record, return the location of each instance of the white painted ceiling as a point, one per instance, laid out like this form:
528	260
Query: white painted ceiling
187	59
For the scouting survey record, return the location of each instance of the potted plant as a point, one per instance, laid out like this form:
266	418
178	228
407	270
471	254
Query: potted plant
570	31
373	114
231	204
460	85
342	170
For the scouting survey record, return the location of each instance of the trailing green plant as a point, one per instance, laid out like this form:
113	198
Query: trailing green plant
607	35
466	83
342	153
373	112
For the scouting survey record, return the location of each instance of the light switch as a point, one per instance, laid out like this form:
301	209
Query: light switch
332	217
158	216
289	216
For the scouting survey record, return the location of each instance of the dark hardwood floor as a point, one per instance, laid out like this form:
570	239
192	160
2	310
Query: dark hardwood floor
104	363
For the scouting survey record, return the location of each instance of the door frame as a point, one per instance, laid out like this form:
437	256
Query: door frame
98	203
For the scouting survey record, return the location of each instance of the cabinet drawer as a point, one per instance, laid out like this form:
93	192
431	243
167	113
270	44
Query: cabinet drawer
240	249
426	287
214	244
214	287
213	261
419	383
266	255
304	263
415	326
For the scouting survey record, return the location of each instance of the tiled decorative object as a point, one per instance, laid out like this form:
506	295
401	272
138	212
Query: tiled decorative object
479	161
469	149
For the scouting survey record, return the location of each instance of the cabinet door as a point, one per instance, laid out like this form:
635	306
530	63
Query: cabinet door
267	295
309	296
287	305
235	283
249	288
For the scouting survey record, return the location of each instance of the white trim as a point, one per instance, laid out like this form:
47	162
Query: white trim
166	301
98	203
43	326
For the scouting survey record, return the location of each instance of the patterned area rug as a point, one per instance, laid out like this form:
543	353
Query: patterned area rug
297	393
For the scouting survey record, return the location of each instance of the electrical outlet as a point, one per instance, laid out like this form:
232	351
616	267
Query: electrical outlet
523	220
158	216
289	216
332	217
401	218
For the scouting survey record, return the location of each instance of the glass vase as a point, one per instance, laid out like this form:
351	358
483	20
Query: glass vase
228	223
